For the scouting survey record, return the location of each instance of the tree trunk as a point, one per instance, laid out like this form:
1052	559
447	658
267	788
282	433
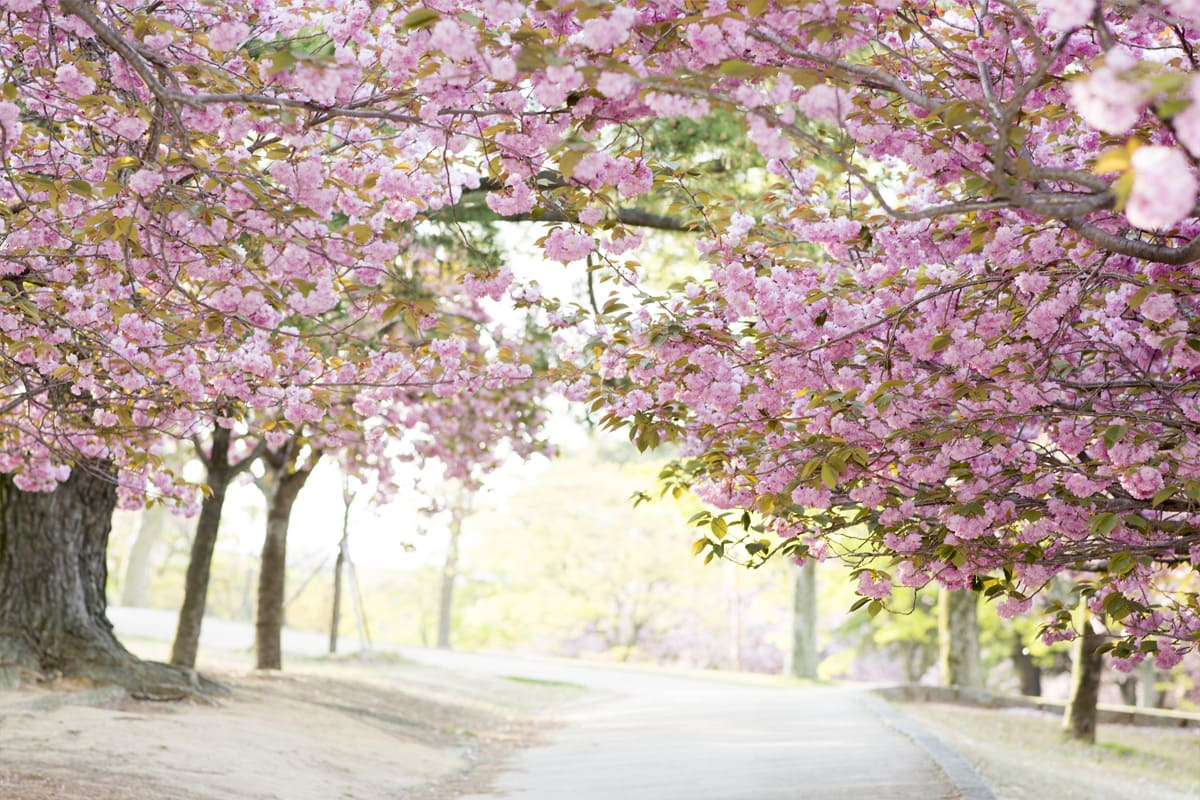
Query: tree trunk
337	595
803	655
1129	689
268	626
1152	696
195	592
958	639
733	577
1079	721
449	573
1028	673
137	571
53	608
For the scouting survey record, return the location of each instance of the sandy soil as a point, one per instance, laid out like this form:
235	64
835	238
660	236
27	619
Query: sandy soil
319	731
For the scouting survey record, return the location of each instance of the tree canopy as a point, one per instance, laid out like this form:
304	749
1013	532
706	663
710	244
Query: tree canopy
954	324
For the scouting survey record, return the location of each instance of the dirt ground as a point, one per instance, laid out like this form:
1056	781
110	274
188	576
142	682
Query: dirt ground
321	730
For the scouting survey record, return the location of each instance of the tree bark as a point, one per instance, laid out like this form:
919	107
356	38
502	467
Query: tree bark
338	566
1028	673
449	573
137	571
1129	689
53	607
1079	721
958	639
268	626
195	592
803	654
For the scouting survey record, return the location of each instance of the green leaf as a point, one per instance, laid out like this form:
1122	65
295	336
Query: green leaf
829	476
940	343
1137	521
1121	190
1115	159
1162	496
719	527
80	187
1121	564
735	68
1117	607
421	18
1104	522
1113	434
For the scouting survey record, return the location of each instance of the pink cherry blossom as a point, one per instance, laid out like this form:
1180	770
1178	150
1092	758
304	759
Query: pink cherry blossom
1109	99
72	82
228	35
1164	188
145	181
824	103
566	245
1065	15
1158	307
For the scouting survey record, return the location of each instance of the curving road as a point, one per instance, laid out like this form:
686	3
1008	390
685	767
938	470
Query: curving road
663	736
658	735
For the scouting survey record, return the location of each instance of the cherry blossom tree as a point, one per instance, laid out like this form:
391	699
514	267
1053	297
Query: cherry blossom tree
197	201
960	330
952	334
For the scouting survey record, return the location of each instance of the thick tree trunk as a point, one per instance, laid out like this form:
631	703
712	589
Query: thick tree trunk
137	571
1079	721
53	573
958	639
195	592
268	626
1028	673
803	655
449	573
53	618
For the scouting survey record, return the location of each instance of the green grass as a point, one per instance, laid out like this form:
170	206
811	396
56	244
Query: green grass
1023	754
541	682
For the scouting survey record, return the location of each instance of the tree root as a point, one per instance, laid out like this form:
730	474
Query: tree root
155	681
106	662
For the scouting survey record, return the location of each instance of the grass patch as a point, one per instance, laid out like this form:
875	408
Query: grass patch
1123	750
1022	754
541	682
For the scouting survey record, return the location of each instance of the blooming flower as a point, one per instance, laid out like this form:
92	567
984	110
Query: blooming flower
566	245
72	82
1108	100
1065	15
1164	188
1187	122
824	104
1158	307
145	181
227	35
9	125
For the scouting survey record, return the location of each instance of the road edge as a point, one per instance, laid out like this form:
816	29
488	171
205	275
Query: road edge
960	772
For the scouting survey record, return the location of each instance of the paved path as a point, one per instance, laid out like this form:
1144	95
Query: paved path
662	736
656	735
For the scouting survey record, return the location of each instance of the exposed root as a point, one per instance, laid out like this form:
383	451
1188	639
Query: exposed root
108	663
154	680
